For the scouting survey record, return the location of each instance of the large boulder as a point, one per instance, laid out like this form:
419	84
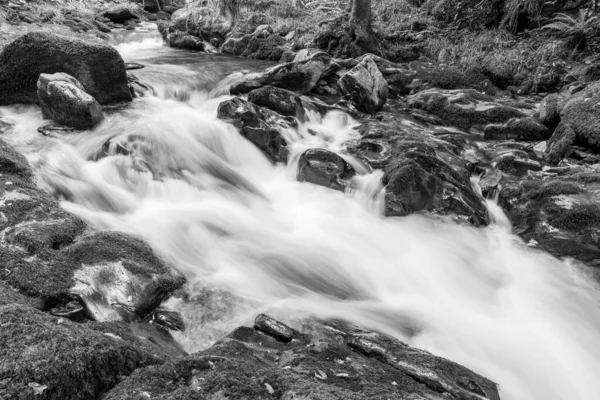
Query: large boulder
325	168
549	112
365	86
467	108
582	113
63	99
422	173
48	357
323	360
98	67
297	76
259	125
280	100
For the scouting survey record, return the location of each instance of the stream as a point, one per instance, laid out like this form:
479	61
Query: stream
252	239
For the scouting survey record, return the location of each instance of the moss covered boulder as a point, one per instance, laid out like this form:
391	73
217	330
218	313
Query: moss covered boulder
98	67
44	357
582	113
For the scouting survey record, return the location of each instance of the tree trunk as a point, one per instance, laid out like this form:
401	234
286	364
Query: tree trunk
360	21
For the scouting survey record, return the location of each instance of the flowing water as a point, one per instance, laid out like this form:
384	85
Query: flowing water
252	239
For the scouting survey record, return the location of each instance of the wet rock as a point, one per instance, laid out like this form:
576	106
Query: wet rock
422	182
325	168
63	99
559	144
259	125
170	320
101	26
279	100
120	277
582	113
365	86
53	129
324	360
120	14
518	129
560	215
549	113
98	67
274	328
515	164
50	357
466	108
301	76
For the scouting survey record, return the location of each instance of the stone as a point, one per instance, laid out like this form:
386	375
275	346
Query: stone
186	41
527	129
466	108
582	113
53	358
202	22
259	125
63	100
262	45
318	359
365	86
98	67
279	100
560	214
301	76
549	113
120	14
559	143
325	168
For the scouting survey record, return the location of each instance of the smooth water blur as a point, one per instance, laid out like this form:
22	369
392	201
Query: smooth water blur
252	239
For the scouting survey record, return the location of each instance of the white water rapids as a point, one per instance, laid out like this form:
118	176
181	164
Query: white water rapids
252	239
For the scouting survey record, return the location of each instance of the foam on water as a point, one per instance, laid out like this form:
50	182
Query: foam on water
251	239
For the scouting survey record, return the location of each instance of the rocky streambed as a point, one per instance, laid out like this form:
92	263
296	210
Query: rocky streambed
165	203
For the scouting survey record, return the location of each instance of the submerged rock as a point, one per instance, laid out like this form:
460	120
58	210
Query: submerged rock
63	99
325	168
365	86
98	67
319	360
259	125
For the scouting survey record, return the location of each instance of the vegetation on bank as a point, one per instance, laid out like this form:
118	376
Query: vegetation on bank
527	45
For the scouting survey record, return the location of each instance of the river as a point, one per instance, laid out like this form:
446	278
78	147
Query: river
251	239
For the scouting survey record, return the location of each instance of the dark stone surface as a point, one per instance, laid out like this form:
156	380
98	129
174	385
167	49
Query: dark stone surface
324	168
320	360
98	67
257	124
365	86
527	129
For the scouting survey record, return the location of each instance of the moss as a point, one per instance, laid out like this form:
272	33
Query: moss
576	218
554	188
70	360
